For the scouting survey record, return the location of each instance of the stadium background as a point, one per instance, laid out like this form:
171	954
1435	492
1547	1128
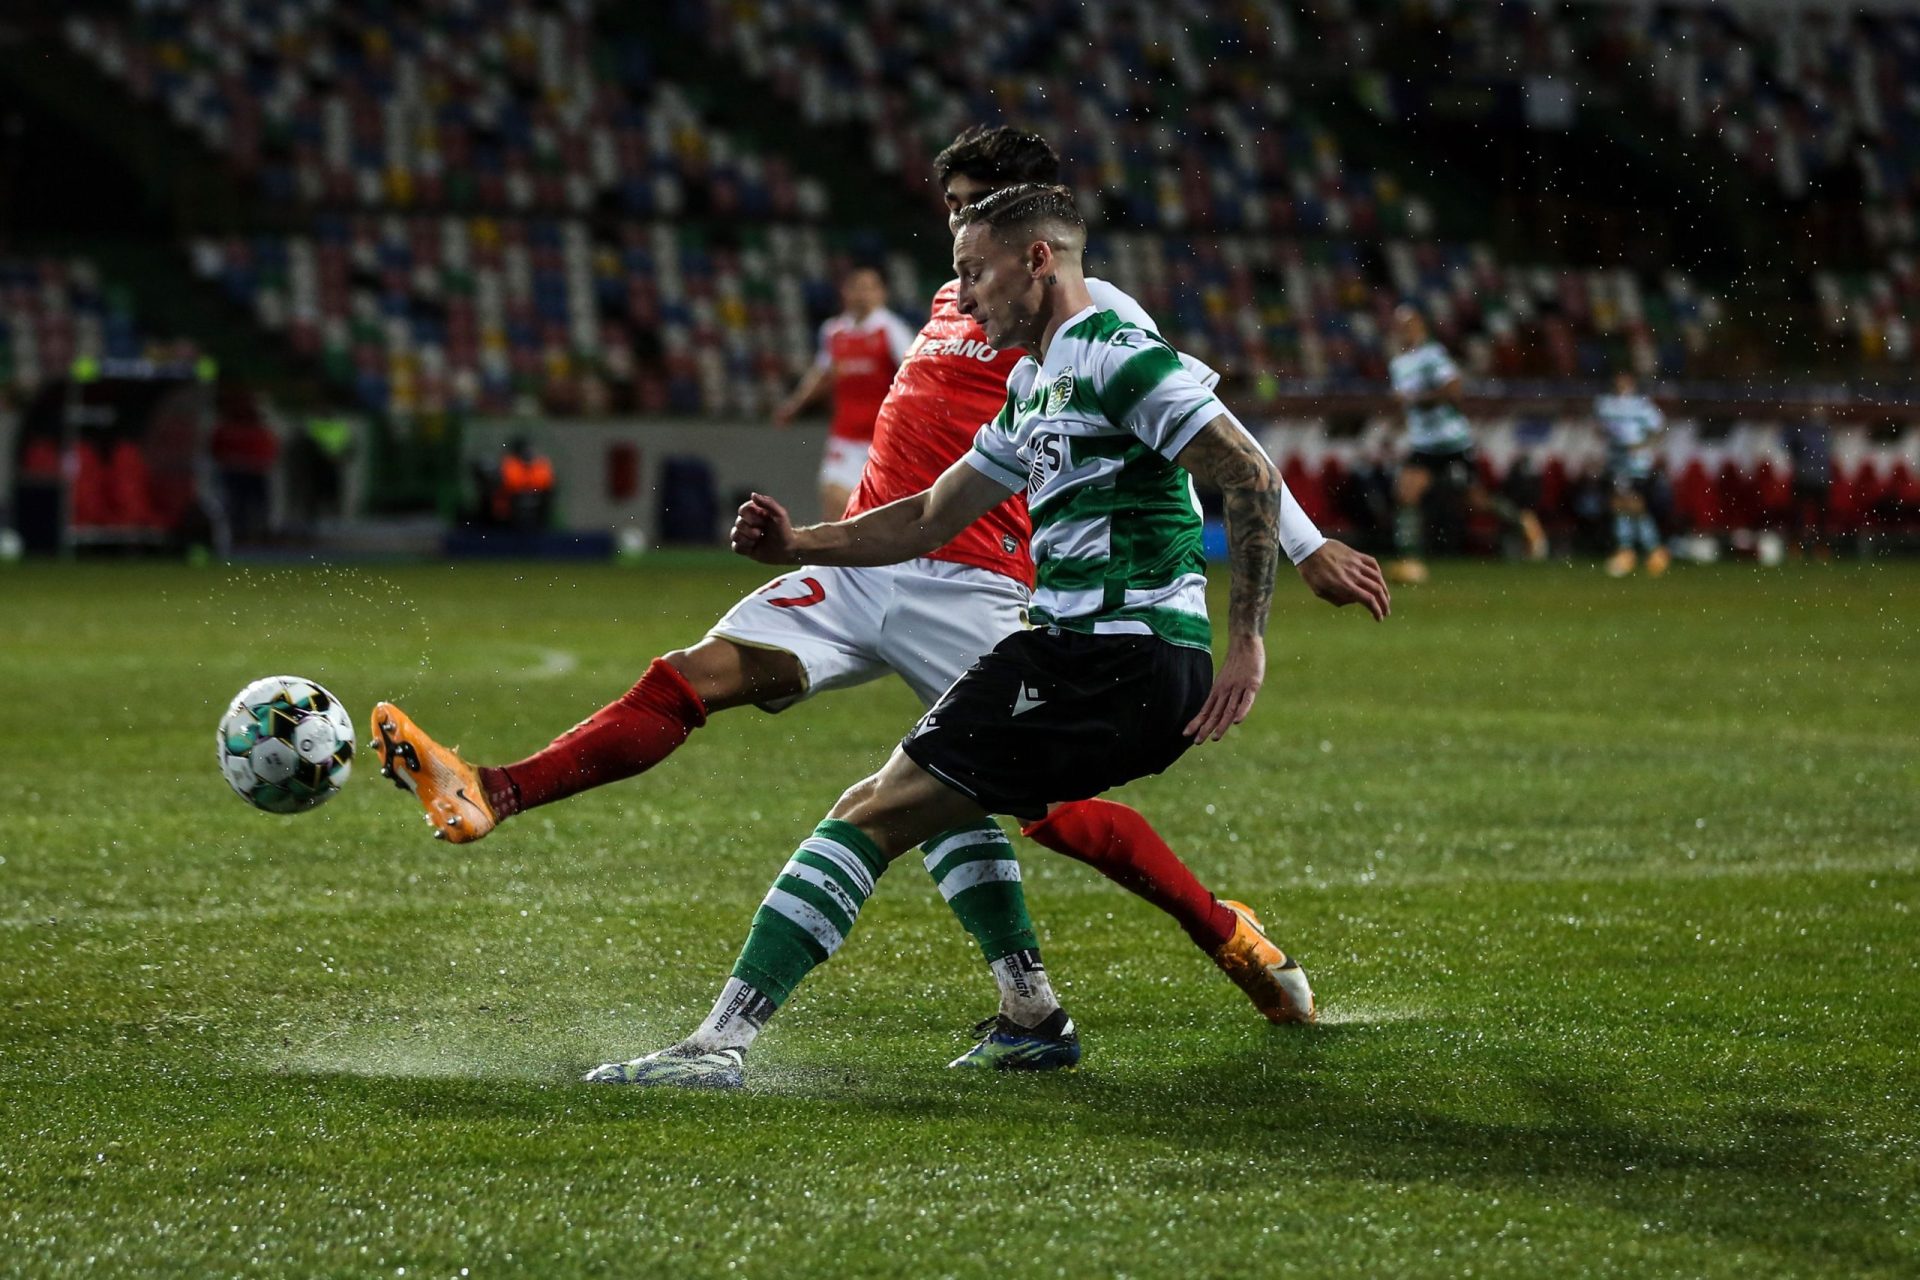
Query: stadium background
1607	887
430	229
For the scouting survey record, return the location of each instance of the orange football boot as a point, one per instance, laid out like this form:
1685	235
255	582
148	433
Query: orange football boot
1276	985
446	786
1407	572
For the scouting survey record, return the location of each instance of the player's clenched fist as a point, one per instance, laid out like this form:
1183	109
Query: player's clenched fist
763	531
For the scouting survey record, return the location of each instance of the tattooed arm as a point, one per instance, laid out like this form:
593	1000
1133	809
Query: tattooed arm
1225	456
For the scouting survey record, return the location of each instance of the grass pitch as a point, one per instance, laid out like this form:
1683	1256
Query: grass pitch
1609	890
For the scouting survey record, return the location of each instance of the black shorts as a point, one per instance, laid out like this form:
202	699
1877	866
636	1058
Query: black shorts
1455	469
1053	715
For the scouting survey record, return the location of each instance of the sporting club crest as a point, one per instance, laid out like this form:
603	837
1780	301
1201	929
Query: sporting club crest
1059	394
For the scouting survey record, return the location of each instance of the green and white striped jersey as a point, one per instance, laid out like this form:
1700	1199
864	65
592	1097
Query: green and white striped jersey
1630	422
1433	428
1090	434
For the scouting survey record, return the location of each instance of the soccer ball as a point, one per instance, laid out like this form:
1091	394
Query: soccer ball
286	744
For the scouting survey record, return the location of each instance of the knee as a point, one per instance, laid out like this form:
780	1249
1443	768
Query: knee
874	810
704	676
858	801
728	675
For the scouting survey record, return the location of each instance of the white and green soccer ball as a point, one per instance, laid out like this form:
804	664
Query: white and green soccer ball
286	744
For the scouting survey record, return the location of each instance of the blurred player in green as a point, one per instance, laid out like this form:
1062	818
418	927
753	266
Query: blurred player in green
1631	423
1439	450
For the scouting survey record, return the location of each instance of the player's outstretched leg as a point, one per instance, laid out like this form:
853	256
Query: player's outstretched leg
803	920
1119	843
807	915
463	803
626	737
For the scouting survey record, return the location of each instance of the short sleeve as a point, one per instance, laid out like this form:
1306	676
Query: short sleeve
1143	387
995	454
1441	369
1403	375
1121	303
823	357
899	337
1203	373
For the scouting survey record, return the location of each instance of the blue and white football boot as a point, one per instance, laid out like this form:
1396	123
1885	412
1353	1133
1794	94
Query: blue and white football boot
1005	1045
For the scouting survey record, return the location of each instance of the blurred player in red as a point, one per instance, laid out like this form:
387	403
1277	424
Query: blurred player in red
927	620
859	350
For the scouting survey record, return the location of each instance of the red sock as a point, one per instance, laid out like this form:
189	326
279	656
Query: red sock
621	739
1123	846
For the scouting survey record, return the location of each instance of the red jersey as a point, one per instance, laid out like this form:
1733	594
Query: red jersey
863	355
950	383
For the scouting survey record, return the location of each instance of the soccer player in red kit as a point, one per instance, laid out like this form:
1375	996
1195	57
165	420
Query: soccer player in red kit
859	350
927	620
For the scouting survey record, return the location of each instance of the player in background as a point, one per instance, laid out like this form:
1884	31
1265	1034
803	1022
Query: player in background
1439	449
859	350
1104	429
1631	423
927	620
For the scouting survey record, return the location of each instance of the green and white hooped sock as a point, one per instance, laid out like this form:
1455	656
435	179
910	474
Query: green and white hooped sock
979	877
804	918
1408	530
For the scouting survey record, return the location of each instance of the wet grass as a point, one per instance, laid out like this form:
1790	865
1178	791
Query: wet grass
1609	890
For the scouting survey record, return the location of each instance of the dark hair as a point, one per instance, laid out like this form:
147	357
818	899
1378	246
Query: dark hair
1025	205
999	157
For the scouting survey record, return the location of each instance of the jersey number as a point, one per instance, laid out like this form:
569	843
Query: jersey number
814	595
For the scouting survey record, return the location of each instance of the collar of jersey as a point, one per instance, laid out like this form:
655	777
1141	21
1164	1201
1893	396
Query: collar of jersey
876	319
1047	366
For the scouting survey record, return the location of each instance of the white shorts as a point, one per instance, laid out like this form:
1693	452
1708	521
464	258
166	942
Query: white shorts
927	620
842	464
